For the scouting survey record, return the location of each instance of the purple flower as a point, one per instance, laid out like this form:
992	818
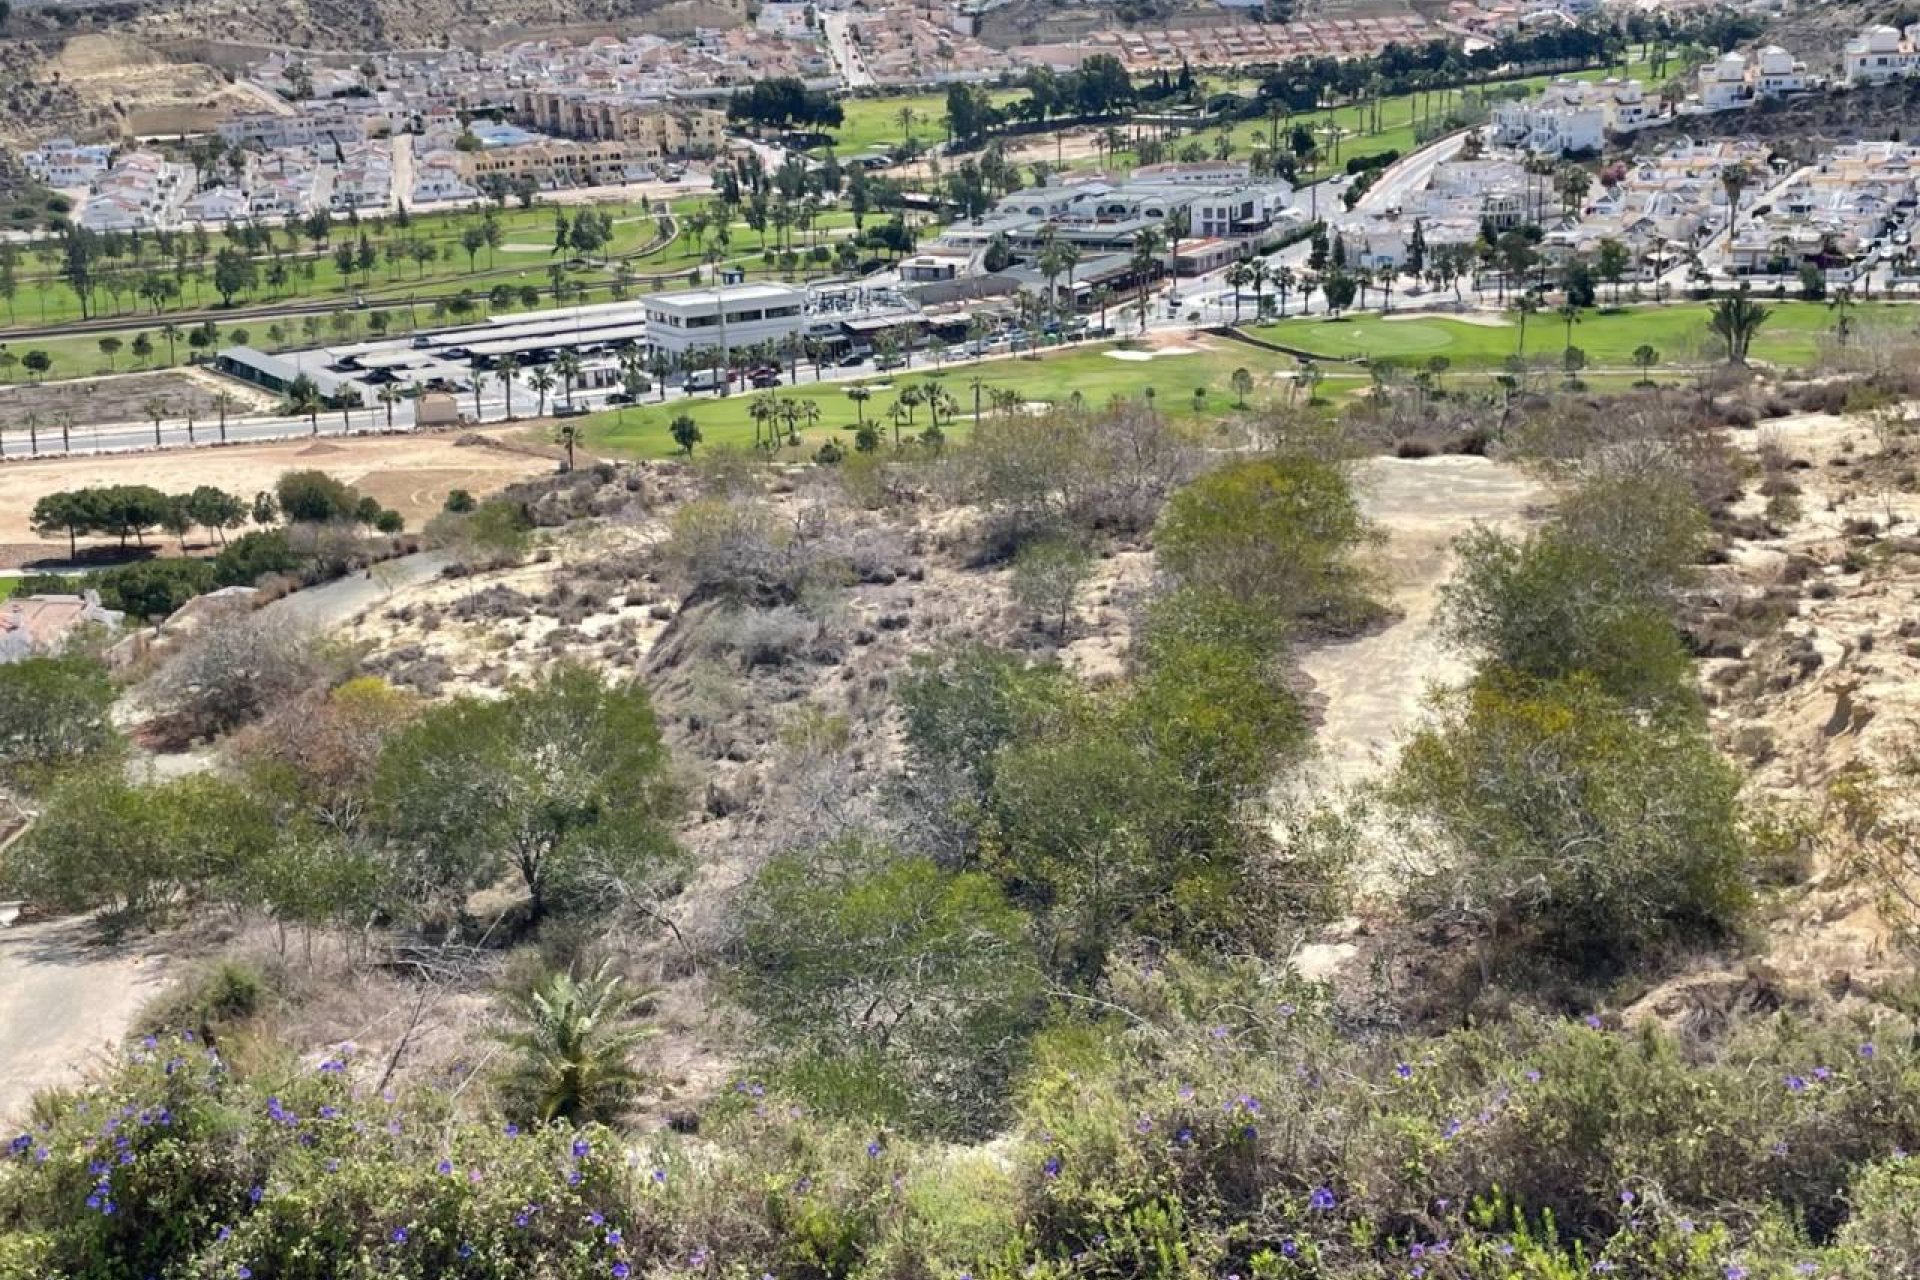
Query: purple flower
1321	1199
1288	1249
1593	1021
1417	1251
1052	1167
614	1238
513	1130
254	1194
1533	1075
619	1271
244	1272
660	1177
1626	1197
1404	1071
1822	1074
581	1148
1867	1051
1796	1085
1735	1271
1452	1130
399	1235
873	1151
1143	1125
444	1168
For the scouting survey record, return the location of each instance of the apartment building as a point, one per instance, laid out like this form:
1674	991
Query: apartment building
314	126
654	131
1107	217
552	163
691	319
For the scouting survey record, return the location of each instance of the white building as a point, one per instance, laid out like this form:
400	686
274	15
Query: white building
1733	80
321	126
1880	54
754	313
64	163
1572	116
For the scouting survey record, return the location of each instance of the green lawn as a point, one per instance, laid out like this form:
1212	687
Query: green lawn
1091	371
1677	331
875	123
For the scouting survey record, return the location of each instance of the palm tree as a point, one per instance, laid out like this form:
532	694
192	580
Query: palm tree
390	395
171	332
1569	316
542	381
1284	280
503	373
859	395
906	116
1146	257
1259	271
1527	305
1734	179
567	365
1238	276
156	408
573	1043
569	435
303	397
977	384
1735	321
223	403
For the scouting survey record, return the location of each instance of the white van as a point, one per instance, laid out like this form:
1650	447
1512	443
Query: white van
706	380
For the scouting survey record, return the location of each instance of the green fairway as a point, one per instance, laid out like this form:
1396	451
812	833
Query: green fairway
1676	331
1097	373
876	124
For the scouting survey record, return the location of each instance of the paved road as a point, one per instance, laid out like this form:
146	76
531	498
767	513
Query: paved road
846	54
332	604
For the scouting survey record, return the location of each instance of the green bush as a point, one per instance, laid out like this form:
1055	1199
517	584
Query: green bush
152	589
1279	533
208	1001
1551	813
252	556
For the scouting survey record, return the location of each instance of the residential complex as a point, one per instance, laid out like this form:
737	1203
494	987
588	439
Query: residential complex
1734	80
1573	117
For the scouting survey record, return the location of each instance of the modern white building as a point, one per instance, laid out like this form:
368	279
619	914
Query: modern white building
1572	116
692	319
1880	54
1733	80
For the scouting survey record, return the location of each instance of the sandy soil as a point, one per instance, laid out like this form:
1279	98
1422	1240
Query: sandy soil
1372	689
64	1002
410	473
1481	318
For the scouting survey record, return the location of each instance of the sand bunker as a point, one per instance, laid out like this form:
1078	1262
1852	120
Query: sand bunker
1485	319
1154	354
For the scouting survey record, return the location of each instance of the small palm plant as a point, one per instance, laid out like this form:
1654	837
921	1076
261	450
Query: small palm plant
573	1041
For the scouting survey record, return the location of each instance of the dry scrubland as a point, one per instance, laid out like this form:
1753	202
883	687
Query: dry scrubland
1091	837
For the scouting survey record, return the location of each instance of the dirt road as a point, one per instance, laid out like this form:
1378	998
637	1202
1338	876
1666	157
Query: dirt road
1374	687
64	1002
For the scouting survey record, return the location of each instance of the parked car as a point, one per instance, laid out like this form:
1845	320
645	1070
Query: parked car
853	359
764	378
570	411
889	362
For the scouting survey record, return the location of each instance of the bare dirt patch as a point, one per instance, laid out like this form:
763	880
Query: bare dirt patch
65	1002
93	402
1373	689
412	474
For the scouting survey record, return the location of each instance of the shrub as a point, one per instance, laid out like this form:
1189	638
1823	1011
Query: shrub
54	712
893	989
1276	532
209	1001
1553	812
252	556
153	589
236	670
314	497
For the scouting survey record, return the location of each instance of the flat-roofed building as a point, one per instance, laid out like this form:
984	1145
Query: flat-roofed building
734	315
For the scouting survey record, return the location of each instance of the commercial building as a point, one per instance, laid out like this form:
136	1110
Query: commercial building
734	315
